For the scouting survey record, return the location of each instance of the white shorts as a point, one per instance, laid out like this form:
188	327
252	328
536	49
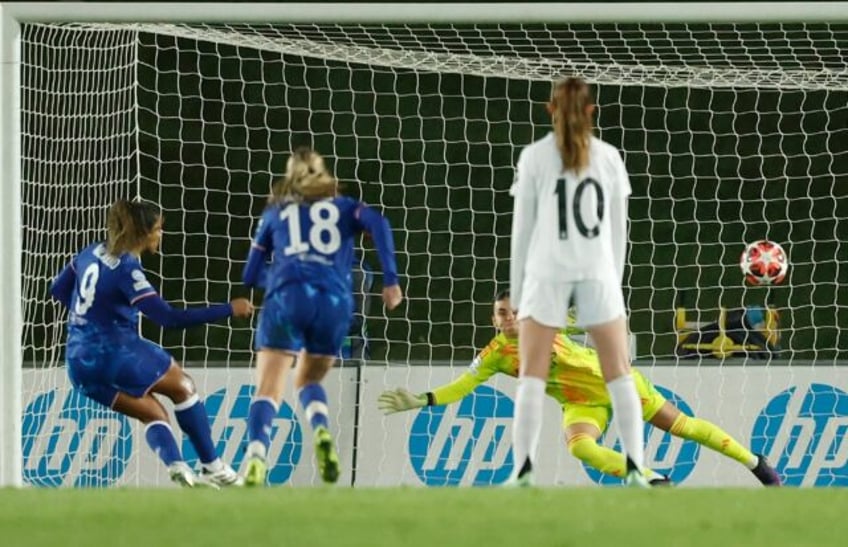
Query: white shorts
547	302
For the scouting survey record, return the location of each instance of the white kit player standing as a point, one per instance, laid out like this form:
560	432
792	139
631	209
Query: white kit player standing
569	240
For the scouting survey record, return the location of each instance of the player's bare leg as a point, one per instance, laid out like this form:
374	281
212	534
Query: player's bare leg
535	342
194	421
308	376
610	341
158	433
272	366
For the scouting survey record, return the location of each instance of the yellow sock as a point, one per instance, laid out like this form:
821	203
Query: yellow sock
586	449
712	436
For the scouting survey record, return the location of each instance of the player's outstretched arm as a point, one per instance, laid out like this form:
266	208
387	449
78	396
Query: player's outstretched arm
400	399
161	313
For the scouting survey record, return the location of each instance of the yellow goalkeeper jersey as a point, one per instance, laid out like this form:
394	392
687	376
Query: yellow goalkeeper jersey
575	376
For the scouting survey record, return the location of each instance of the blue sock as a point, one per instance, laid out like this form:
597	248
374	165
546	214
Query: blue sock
161	439
313	399
259	419
193	420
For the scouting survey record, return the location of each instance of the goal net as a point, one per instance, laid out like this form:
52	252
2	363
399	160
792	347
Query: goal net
731	133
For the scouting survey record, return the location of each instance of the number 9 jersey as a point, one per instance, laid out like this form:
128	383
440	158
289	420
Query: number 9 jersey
568	226
107	293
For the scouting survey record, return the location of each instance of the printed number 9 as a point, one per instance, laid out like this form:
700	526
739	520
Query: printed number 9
88	285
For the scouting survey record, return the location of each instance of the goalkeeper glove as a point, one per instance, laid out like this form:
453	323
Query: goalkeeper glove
399	400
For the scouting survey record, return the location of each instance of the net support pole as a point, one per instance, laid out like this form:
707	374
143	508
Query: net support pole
11	317
454	13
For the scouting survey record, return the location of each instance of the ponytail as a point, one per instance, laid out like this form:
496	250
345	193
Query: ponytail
571	114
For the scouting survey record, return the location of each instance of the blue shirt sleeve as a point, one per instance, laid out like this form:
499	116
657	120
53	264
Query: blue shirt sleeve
261	248
161	313
381	232
138	290
63	284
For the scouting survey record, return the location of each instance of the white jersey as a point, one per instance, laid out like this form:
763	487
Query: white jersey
568	226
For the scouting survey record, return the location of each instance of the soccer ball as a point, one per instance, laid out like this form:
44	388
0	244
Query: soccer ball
764	263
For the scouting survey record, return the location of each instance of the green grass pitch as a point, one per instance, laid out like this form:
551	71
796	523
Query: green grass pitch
436	517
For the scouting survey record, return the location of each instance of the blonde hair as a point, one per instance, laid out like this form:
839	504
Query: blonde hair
572	121
306	179
129	224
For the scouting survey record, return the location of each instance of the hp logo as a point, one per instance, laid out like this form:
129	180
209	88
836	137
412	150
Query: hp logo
73	441
464	443
228	418
664	453
803	432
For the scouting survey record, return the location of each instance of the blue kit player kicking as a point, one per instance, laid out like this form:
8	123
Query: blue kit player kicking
309	231
104	288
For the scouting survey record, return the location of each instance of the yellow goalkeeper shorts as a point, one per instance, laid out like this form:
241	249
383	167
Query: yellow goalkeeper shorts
599	415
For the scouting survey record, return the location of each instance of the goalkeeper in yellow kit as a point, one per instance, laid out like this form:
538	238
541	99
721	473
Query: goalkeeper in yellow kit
576	382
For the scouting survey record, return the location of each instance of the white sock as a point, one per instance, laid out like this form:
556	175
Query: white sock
627	413
255	449
214	466
527	426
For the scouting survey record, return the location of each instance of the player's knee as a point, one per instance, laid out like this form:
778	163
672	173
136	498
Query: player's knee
183	388
178	389
616	368
187	384
582	446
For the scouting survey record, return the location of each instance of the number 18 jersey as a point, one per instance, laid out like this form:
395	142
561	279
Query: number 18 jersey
562	224
310	242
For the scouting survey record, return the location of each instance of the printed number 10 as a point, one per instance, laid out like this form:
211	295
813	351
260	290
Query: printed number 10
562	206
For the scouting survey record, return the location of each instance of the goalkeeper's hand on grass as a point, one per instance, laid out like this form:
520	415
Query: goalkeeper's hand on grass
399	400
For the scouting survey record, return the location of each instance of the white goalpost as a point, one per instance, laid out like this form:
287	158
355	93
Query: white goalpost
732	119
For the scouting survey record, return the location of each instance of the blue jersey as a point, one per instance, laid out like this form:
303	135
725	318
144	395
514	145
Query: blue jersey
105	353
308	288
106	291
311	241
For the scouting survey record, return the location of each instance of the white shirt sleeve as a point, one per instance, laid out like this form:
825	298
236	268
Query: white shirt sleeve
618	219
523	222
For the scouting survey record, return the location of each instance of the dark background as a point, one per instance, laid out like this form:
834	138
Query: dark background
711	167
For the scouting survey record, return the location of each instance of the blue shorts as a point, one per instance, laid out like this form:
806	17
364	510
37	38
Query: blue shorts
301	316
102	367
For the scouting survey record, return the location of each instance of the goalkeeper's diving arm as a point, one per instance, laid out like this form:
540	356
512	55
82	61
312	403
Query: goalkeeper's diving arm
400	399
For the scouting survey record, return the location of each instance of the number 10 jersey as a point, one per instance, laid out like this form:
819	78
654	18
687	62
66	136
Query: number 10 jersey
569	226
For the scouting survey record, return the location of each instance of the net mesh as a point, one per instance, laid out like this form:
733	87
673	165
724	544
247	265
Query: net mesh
731	133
